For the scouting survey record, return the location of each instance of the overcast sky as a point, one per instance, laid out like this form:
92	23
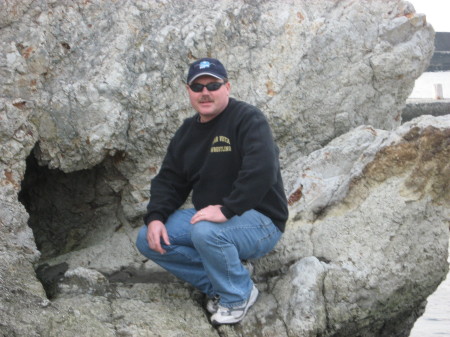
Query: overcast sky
437	12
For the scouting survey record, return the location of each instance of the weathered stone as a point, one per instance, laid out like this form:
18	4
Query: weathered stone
336	66
378	236
299	294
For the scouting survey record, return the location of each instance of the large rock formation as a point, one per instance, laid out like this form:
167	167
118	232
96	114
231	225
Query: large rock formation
91	92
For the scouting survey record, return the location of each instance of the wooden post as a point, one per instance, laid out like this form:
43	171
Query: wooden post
438	91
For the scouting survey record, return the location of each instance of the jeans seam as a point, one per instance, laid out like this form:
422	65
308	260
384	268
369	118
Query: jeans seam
179	236
173	249
225	259
269	235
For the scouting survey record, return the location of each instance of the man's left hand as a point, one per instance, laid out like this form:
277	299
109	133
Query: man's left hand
211	213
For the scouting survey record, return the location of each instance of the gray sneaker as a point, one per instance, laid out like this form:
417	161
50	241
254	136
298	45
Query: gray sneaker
235	314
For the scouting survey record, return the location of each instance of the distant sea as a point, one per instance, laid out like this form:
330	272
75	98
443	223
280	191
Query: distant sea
435	322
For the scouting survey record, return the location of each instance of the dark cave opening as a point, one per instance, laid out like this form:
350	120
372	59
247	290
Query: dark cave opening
68	211
66	208
72	215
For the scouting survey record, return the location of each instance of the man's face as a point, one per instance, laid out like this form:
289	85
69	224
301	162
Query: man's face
209	104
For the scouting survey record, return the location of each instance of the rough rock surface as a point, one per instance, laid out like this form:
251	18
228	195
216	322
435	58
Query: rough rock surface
91	92
99	81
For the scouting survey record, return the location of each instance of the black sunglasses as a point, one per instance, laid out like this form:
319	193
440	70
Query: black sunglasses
213	86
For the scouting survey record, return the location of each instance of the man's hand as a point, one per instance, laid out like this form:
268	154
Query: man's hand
211	213
155	232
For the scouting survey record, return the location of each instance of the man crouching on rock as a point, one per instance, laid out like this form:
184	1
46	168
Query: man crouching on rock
226	155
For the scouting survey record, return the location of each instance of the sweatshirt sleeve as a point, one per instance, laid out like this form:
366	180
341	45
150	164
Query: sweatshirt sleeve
168	190
260	165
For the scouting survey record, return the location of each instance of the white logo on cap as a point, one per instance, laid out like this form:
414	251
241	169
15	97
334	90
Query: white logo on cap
204	64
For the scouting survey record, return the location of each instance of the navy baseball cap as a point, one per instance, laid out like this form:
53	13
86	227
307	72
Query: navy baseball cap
206	66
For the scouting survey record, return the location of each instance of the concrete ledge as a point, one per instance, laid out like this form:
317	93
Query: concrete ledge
418	107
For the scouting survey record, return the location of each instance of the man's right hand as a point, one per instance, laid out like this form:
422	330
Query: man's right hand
155	232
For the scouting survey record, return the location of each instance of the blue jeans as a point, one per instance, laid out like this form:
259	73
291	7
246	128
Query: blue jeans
208	255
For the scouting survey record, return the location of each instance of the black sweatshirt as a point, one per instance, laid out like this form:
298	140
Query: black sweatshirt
231	160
